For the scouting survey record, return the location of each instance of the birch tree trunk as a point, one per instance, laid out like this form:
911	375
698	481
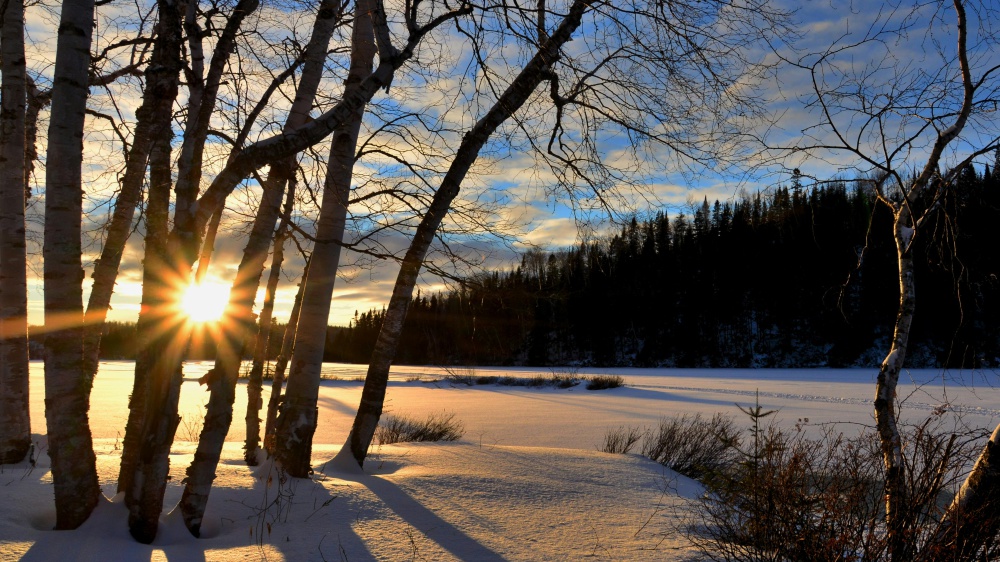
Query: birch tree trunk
376	381
972	521
256	381
153	419
238	323
238	320
152	121
67	384
15	419
153	407
907	223
328	17
173	268
278	376
900	545
296	421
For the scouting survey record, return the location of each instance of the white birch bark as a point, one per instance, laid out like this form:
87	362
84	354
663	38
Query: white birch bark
150	149
885	391
15	421
906	225
296	422
67	385
973	519
153	405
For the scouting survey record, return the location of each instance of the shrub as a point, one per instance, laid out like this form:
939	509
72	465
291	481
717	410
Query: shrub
466	376
782	495
603	382
401	429
621	440
791	497
692	445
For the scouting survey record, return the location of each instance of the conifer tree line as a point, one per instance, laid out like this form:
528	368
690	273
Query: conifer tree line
789	277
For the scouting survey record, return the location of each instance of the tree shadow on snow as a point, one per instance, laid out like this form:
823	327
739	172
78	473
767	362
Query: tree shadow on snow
446	535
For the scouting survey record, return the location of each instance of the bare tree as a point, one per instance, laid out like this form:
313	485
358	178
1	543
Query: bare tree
15	419
899	120
162	355
298	412
630	82
149	151
262	340
145	462
281	363
67	384
238	319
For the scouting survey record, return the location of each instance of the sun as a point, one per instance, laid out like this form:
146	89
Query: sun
205	302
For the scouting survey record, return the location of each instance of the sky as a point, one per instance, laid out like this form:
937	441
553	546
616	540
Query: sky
517	190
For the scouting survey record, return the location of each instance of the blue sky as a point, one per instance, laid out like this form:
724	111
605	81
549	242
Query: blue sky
520	187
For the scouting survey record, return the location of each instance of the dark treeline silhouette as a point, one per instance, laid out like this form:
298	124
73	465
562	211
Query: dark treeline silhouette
791	277
788	278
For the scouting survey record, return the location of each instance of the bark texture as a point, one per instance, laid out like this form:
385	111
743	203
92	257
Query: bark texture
909	216
296	422
897	518
238	322
157	367
67	385
152	121
534	73
153	408
153	135
15	421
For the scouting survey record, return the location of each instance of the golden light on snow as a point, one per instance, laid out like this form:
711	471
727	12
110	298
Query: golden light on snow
205	302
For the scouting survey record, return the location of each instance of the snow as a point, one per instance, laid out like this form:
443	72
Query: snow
525	483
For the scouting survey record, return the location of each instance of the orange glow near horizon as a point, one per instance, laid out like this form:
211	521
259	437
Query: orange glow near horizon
205	302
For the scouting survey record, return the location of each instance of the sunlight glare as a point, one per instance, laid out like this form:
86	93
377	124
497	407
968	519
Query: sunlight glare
205	302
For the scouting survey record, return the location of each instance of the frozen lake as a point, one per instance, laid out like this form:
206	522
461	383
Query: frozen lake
574	417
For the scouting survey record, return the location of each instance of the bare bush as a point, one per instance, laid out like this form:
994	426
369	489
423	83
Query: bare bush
693	445
621	440
401	429
604	382
791	497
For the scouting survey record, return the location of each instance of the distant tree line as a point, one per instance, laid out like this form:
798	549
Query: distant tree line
118	342
787	278
791	277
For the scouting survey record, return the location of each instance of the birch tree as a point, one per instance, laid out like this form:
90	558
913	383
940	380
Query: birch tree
153	419
15	420
160	360
67	385
624	81
238	318
255	401
299	411
911	127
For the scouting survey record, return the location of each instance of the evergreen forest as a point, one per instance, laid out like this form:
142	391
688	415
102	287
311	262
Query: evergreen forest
790	277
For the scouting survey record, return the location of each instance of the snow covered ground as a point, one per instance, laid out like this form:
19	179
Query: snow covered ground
525	483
